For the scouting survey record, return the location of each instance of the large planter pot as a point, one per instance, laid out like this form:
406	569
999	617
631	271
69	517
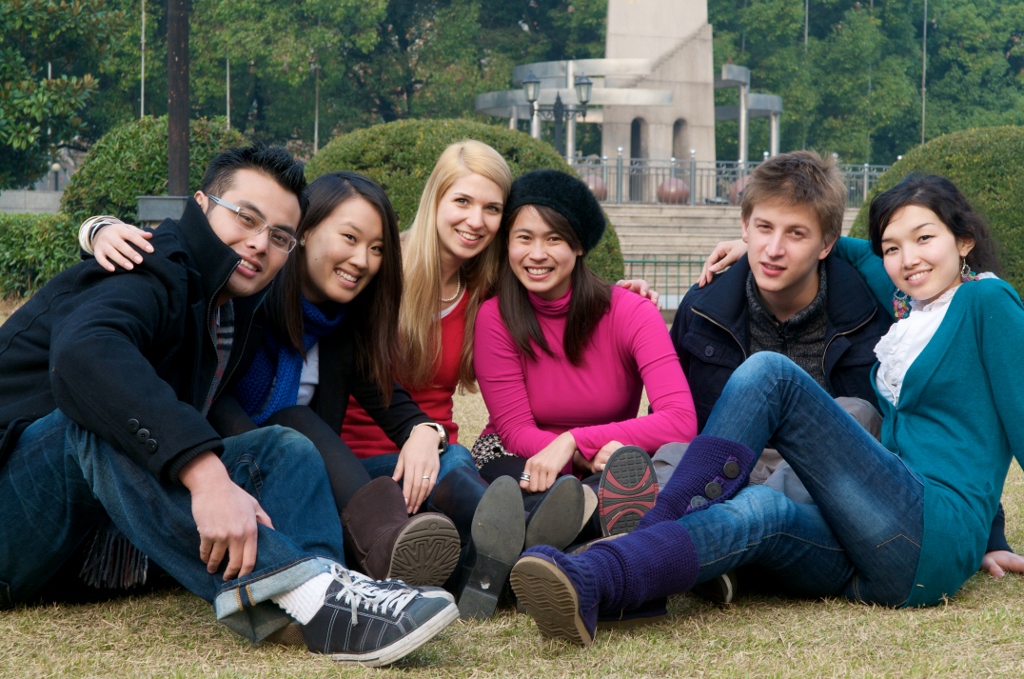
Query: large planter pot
673	191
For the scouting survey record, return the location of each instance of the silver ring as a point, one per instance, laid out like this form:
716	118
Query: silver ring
427	477
525	476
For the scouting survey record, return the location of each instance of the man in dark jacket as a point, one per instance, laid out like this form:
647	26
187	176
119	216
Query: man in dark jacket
105	381
786	295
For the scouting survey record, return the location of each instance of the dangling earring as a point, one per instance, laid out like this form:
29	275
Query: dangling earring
965	271
900	304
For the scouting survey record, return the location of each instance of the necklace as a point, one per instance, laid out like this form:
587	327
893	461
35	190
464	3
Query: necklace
458	288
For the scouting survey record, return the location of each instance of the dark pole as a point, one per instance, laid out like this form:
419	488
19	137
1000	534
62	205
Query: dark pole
177	97
559	113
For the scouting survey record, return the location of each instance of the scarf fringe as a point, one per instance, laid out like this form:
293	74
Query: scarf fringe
112	562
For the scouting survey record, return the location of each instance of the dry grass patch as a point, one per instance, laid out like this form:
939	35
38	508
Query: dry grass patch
8	305
174	634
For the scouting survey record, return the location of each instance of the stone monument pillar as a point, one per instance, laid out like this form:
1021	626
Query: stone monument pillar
676	36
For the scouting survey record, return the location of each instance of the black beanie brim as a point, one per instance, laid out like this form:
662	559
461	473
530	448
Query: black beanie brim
566	195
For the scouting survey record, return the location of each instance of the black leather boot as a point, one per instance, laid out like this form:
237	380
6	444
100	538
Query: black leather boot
490	523
555	516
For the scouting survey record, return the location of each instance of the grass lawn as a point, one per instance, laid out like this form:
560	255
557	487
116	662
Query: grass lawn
7	306
173	634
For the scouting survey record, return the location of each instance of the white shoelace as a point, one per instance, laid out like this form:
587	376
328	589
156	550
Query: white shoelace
360	591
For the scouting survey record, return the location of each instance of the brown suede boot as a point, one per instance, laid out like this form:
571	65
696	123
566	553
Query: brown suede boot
421	550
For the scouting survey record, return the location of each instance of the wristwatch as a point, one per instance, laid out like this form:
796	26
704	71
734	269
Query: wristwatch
441	432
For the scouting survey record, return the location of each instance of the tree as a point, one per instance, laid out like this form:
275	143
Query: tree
377	60
856	87
39	113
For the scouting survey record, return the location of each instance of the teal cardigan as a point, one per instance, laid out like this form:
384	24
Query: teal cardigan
959	420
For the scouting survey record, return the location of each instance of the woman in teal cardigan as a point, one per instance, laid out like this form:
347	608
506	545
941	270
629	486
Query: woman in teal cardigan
901	523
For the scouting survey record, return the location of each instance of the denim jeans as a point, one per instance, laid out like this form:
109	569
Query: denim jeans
453	457
62	480
861	540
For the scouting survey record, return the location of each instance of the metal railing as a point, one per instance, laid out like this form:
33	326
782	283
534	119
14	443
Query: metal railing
670	275
692	182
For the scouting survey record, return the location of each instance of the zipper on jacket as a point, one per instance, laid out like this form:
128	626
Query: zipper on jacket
713	321
841	334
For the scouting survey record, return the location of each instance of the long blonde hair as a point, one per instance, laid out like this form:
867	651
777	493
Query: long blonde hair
418	326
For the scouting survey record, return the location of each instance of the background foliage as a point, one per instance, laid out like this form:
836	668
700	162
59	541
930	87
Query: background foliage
38	114
33	249
856	87
378	60
401	155
986	165
131	161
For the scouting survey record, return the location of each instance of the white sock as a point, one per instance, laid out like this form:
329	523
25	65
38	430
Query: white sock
304	601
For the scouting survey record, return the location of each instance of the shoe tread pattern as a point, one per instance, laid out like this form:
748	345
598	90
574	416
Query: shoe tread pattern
549	597
425	552
628	490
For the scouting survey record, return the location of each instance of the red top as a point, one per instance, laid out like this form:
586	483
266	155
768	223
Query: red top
363	435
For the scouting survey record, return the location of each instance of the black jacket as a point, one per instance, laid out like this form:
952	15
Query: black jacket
129	356
711	334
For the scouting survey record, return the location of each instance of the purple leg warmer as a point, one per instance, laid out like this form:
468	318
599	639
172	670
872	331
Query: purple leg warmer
712	470
643	565
626	572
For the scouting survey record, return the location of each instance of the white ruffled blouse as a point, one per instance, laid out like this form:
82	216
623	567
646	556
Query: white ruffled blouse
906	339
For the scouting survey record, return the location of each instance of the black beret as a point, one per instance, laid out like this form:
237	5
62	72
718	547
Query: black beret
564	194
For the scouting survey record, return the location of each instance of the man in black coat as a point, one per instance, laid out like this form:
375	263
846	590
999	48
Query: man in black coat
105	382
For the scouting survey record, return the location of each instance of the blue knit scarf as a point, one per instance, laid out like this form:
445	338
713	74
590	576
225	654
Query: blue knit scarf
272	382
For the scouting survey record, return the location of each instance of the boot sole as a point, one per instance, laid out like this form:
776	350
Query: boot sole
498	532
404	646
628	490
426	551
550	598
557	519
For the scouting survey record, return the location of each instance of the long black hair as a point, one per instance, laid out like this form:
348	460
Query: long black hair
374	312
942	197
591	295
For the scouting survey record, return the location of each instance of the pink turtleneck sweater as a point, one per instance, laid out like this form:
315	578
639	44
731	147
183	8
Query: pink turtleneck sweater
532	401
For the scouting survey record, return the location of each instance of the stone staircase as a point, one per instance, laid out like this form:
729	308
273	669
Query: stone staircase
646	230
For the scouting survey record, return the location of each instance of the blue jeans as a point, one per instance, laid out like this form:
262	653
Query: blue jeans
862	540
453	457
62	481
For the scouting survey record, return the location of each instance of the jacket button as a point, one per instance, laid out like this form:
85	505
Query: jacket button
151	446
142	434
133	425
713	490
709	351
697	501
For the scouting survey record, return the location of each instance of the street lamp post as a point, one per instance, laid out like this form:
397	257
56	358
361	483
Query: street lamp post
531	88
559	112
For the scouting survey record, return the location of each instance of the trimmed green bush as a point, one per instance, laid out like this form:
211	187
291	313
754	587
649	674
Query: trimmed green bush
401	155
986	164
33	249
131	161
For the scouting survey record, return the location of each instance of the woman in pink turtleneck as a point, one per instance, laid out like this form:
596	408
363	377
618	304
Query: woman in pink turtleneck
561	356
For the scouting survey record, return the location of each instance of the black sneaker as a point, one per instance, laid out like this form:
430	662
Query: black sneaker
374	623
291	634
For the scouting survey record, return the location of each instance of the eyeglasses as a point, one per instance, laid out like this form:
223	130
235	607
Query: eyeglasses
279	238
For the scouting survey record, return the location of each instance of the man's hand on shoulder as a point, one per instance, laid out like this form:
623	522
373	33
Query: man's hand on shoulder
225	515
